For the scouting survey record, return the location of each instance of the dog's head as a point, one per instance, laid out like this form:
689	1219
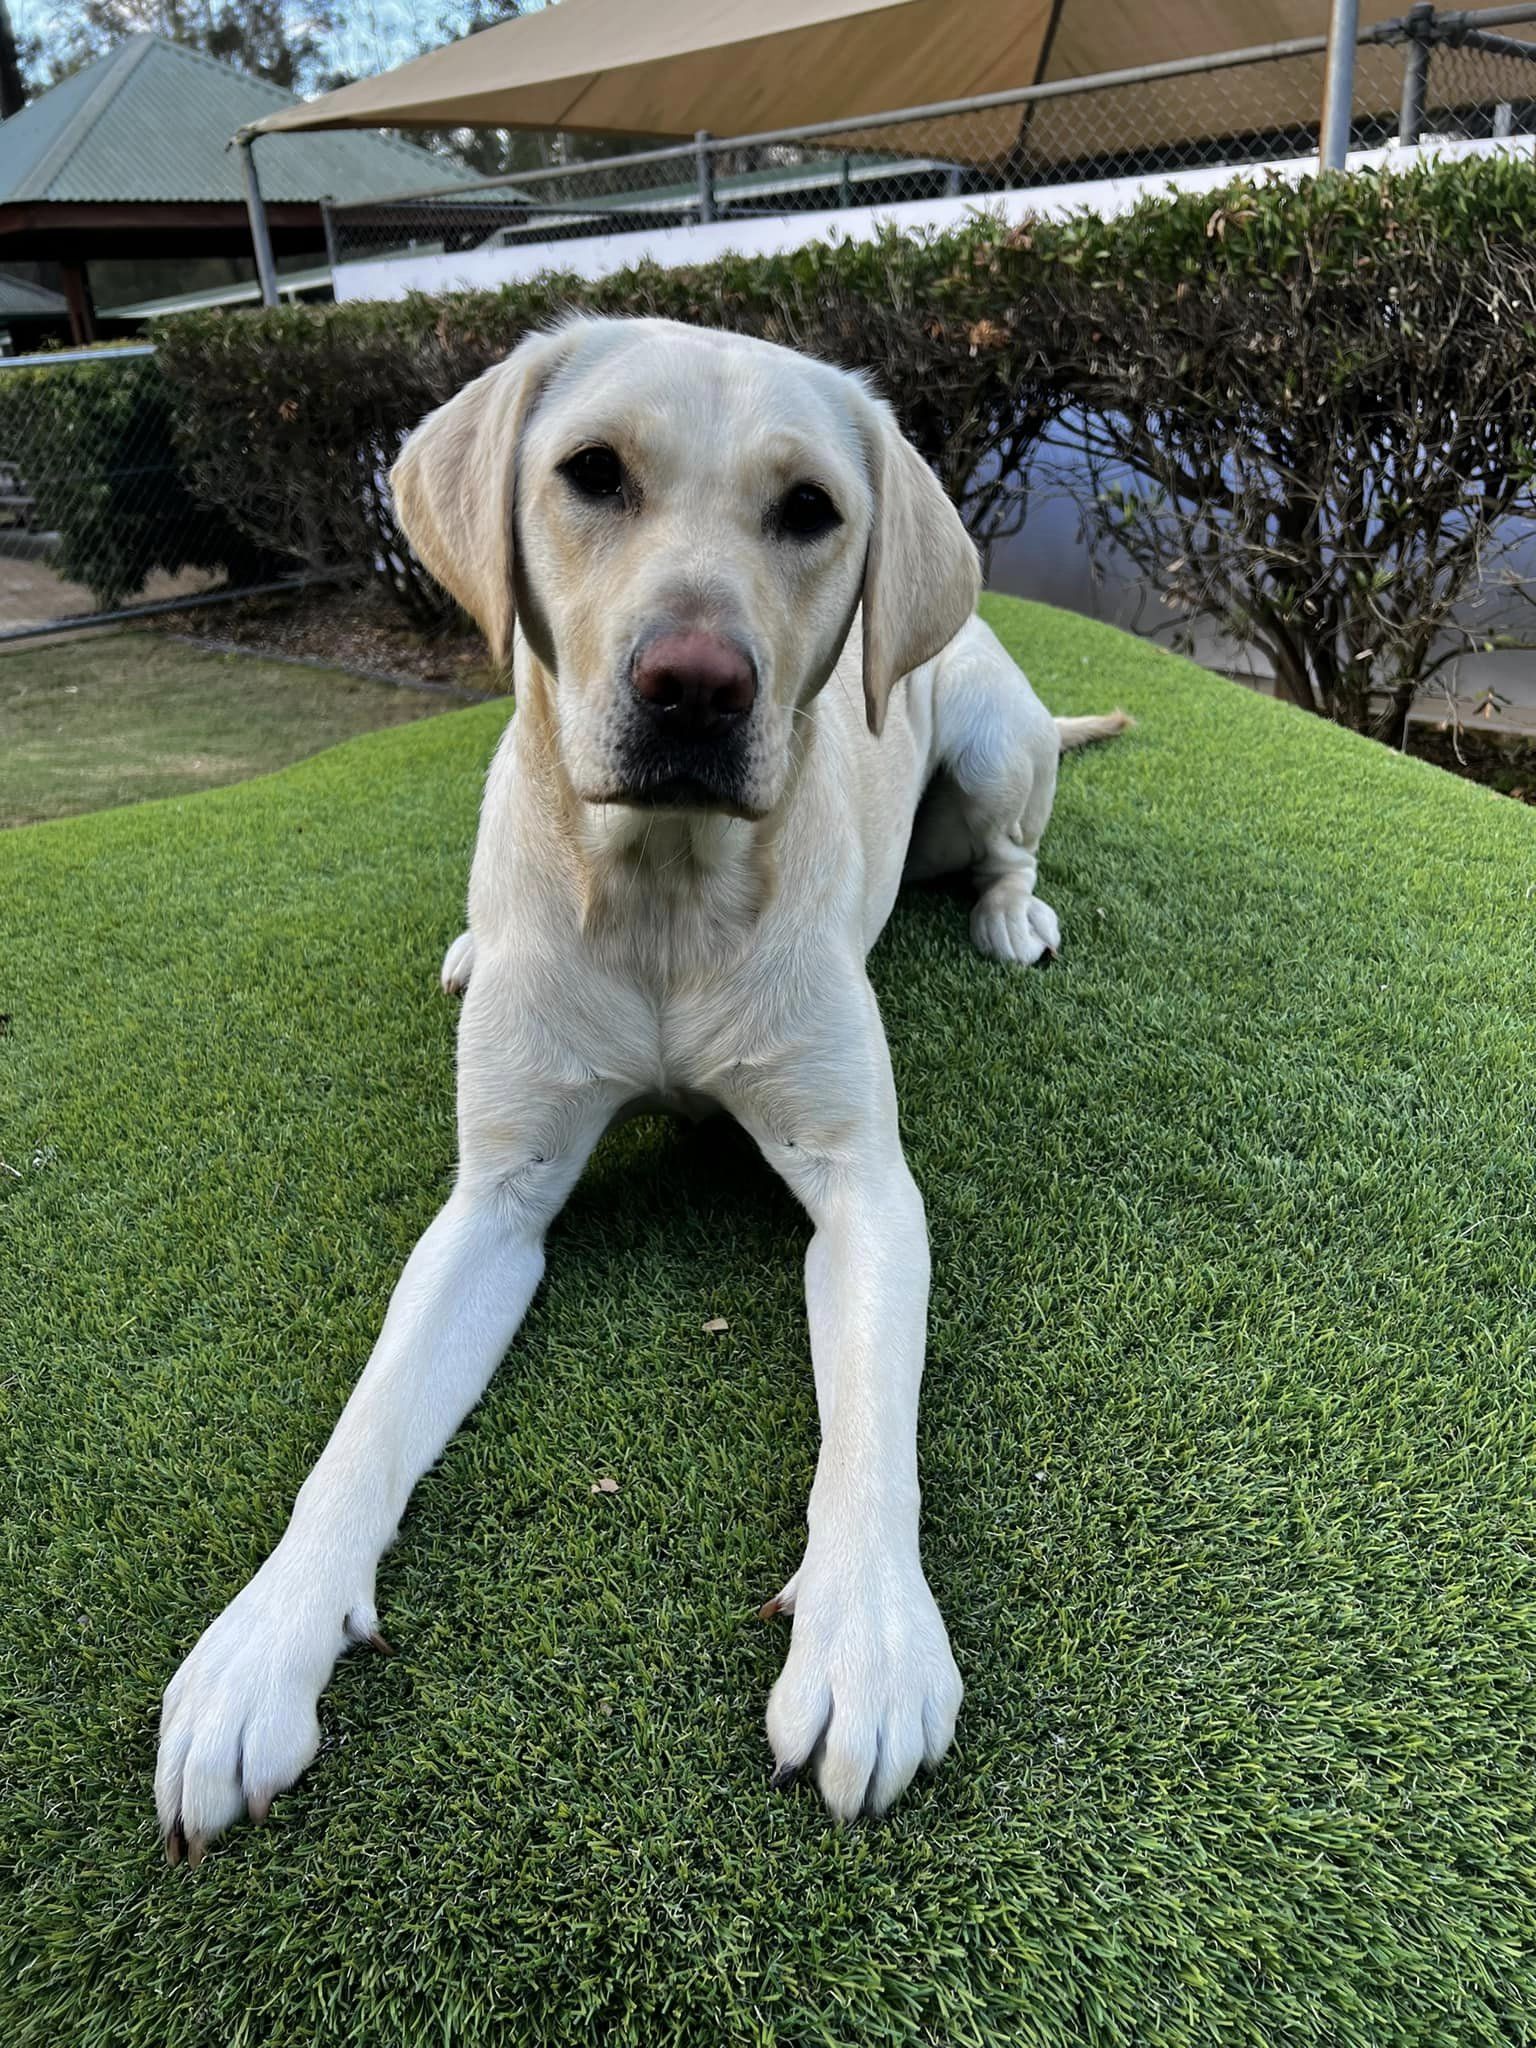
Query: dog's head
684	524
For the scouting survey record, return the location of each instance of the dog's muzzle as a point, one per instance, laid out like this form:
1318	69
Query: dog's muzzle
684	745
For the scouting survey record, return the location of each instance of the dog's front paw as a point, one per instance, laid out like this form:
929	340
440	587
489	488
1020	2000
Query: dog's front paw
869	1690
238	1723
1009	922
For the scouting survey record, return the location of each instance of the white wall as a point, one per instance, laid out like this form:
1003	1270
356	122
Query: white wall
598	255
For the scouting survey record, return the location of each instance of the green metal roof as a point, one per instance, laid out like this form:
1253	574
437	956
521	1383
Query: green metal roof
152	120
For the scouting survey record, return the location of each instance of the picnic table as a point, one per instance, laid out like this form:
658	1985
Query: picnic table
17	505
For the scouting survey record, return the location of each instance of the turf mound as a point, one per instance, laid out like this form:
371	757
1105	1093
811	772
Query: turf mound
1227	1438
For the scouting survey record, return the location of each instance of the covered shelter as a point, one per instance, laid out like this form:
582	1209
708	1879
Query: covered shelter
126	167
745	67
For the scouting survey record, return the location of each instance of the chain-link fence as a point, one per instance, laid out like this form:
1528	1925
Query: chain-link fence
1089	130
97	519
1243	107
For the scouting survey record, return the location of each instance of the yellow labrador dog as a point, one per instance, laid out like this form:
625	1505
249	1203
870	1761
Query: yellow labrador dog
751	687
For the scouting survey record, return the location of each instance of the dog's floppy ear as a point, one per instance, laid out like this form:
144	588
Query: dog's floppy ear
453	483
921	575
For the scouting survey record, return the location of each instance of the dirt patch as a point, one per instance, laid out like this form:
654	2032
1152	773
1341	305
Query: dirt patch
1505	761
346	629
33	594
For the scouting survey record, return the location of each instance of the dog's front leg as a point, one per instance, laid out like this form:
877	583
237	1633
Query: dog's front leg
869	1690
239	1723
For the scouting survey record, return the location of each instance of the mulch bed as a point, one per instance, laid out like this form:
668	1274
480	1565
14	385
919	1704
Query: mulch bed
1505	761
349	630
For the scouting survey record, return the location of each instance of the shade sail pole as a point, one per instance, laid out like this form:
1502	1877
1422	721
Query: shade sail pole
256	209
1339	85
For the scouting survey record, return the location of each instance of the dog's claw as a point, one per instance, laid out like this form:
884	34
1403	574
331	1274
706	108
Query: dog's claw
358	1632
259	1809
784	1776
195	1847
783	1602
174	1845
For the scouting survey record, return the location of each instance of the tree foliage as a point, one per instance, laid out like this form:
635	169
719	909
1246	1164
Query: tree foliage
286	42
1309	413
93	442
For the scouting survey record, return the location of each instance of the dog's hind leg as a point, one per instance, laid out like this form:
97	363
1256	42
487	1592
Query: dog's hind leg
990	802
987	808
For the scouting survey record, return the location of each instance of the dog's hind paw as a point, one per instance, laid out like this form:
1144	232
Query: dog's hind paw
1010	923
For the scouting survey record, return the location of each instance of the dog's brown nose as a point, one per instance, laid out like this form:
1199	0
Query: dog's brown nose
696	684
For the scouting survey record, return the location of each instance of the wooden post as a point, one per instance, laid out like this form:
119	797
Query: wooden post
77	294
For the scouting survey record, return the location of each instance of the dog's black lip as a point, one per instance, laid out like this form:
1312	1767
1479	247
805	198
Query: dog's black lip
679	793
655	772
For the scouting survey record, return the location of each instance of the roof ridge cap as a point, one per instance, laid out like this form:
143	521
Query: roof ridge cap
117	65
191	53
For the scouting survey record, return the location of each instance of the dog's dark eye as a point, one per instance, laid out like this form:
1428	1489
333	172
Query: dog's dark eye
594	472
806	512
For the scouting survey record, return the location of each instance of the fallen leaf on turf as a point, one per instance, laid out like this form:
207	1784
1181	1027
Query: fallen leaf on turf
716	1324
606	1486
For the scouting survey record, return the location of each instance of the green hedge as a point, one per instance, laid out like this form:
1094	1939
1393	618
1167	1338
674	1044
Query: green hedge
291	418
1308	409
93	445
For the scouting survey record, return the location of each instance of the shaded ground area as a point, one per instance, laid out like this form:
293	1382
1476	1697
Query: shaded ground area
1227	1439
1504	760
115	718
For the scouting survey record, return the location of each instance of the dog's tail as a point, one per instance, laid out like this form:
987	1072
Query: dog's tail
1082	732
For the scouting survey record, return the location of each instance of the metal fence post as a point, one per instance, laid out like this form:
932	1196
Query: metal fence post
706	173
329	226
1419	28
1339	85
255	206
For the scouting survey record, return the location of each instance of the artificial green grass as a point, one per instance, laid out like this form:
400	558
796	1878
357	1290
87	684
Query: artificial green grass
1227	1438
86	723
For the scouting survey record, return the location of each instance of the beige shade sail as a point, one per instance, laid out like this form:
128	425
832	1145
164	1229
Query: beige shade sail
1090	36
1104	35
671	67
